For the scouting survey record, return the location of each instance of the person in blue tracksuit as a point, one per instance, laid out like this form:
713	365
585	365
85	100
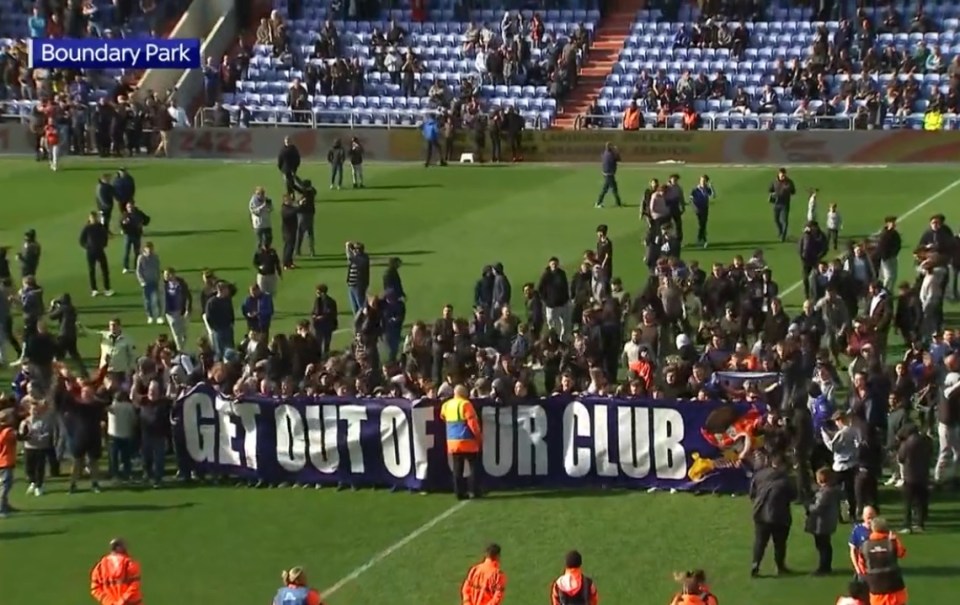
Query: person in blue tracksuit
608	165
700	199
431	135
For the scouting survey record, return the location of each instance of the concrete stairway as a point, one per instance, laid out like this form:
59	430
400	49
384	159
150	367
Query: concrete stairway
608	40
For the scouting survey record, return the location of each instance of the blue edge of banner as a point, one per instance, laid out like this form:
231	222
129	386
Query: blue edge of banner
557	442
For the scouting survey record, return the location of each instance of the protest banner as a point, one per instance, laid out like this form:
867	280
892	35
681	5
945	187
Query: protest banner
556	442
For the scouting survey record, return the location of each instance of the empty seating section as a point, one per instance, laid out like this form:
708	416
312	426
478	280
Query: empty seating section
439	45
788	34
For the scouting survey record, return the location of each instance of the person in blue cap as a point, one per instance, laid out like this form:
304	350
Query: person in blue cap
431	134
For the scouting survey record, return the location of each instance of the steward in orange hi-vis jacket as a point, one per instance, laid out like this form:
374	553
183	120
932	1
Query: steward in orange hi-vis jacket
464	441
881	555
485	582
115	580
574	588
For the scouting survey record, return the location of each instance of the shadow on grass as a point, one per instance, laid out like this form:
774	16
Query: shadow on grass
570	494
933	571
401	253
100	509
401	187
24	535
216	269
742	244
356	200
187	232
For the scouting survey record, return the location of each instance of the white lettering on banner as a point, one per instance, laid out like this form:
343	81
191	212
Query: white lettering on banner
601	443
354	415
227	432
576	423
395	440
423	441
248	413
200	439
323	434
165	54
499	429
635	444
291	441
634	427
531	440
668	452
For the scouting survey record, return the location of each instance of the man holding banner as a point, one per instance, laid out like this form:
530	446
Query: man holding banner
463	441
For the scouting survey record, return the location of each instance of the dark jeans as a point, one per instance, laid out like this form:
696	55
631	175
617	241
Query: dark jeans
609	186
222	340
336	175
35	461
121	451
324	337
358	298
305	232
762	534
702	227
433	147
289	180
865	488
93	260
131	247
677	219
264	237
806	269
153	452
462	483
289	245
781	218
824	552
916	504
392	337
846	479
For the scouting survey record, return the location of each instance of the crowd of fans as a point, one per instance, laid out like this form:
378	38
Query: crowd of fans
576	333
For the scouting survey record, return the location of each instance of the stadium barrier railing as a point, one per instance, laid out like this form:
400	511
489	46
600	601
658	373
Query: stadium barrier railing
327	118
711	122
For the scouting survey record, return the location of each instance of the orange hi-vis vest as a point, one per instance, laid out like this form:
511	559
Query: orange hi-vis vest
631	118
463	427
115	580
484	584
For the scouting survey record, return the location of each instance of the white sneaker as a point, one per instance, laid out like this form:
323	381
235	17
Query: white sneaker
108	293
53	167
149	320
31	489
899	483
95	293
38	491
125	271
890	481
158	320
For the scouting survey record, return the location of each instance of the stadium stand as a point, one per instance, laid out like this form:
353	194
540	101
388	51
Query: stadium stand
883	67
389	71
21	87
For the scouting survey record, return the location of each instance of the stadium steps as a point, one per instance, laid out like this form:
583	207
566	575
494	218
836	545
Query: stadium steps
608	41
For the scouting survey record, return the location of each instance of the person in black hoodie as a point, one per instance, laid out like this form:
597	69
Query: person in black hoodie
132	224
63	311
308	212
289	229
908	314
94	239
393	314
916	455
813	247
483	290
288	162
889	244
124	187
392	280
6	278
154	431
772	491
324	319
356	163
554	290
31	303
105	199
336	157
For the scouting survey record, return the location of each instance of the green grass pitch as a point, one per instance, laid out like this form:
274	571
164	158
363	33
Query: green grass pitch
227	545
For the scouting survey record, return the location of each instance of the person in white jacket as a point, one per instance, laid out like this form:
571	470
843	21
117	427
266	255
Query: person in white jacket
261	208
121	430
931	296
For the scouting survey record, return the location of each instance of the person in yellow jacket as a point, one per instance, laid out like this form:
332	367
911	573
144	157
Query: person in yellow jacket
933	119
485	582
464	441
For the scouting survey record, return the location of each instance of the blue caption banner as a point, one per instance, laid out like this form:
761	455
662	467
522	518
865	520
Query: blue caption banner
554	442
97	53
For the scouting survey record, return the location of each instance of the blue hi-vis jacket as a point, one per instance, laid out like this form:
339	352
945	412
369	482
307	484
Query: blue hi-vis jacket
291	595
429	130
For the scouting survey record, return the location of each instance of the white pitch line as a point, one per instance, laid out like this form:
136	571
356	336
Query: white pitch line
386	552
901	217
